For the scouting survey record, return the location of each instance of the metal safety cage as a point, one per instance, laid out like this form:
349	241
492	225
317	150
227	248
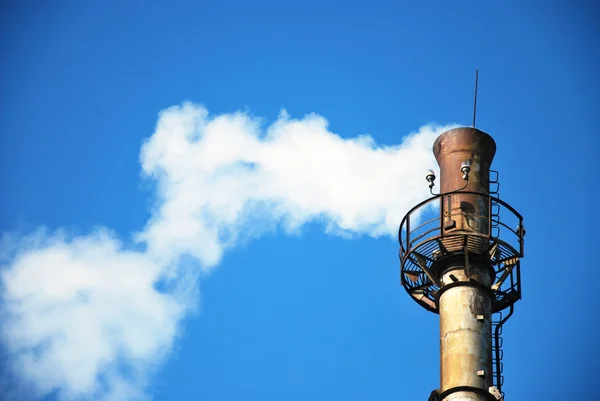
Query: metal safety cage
424	241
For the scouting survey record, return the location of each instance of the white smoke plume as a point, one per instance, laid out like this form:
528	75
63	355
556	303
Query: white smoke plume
88	317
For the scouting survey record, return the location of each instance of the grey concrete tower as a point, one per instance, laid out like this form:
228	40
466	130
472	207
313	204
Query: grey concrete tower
462	261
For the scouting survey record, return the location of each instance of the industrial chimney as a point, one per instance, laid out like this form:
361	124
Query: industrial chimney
460	254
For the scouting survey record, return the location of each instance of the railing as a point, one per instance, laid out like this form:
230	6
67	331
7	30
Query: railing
437	227
413	232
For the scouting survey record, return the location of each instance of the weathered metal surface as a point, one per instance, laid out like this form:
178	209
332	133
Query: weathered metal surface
465	310
465	338
464	396
452	148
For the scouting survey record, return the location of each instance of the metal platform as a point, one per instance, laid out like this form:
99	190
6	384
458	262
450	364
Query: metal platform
424	242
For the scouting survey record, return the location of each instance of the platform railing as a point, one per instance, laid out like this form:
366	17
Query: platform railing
417	227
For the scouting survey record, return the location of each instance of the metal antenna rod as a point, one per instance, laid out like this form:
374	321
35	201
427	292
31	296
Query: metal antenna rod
475	98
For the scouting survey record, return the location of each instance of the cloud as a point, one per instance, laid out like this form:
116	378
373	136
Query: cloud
90	318
76	309
215	174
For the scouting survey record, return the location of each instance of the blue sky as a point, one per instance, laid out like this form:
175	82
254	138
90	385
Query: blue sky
304	302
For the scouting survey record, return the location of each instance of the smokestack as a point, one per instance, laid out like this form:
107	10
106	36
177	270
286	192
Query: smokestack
464	264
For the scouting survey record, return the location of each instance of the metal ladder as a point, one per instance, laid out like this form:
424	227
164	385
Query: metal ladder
495	207
498	321
497	354
498	318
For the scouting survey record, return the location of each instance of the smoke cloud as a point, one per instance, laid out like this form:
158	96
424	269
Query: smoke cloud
89	317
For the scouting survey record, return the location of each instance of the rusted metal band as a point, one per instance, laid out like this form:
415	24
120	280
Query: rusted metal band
486	394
